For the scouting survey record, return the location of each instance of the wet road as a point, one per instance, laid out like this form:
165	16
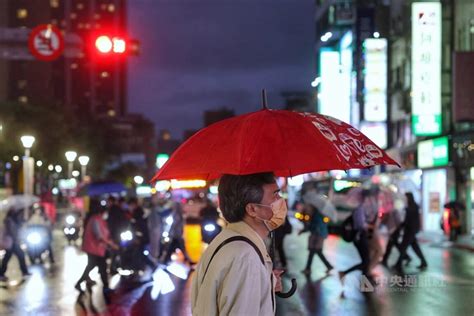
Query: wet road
445	288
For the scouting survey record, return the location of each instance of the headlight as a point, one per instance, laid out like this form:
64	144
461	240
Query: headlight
69	230
70	219
169	220
165	234
126	236
209	227
33	238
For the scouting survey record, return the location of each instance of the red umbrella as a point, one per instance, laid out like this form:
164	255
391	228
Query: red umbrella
284	142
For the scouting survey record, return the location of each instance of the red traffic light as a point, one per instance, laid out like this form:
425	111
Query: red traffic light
106	44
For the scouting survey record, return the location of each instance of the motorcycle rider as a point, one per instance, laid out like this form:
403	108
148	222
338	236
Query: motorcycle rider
39	219
140	229
117	222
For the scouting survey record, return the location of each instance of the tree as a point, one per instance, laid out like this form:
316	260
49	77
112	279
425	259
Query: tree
56	130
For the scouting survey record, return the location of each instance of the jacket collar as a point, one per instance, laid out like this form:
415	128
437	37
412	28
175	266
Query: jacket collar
245	230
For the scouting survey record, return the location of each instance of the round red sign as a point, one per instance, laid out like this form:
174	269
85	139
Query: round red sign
46	42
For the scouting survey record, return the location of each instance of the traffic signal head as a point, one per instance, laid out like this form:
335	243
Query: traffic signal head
105	45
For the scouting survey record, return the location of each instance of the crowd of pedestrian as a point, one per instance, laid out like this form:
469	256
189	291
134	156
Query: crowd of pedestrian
366	223
108	228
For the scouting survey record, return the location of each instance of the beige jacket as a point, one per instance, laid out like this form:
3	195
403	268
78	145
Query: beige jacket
237	283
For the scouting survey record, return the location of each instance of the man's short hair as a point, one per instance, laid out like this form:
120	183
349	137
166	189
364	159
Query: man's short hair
235	192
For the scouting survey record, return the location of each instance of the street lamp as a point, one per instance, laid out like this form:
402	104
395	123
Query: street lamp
27	142
70	157
83	160
28	164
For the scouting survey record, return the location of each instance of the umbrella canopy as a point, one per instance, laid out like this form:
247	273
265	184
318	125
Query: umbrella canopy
18	201
284	142
322	203
100	188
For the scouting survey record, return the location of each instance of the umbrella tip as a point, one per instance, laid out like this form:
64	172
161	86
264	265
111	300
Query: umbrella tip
264	100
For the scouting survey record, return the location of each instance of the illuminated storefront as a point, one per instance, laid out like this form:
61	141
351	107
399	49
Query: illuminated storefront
437	182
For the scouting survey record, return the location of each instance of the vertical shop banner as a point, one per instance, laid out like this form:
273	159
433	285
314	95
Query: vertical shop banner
426	68
375	79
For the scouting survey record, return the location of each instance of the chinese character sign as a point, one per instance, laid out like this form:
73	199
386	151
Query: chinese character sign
426	68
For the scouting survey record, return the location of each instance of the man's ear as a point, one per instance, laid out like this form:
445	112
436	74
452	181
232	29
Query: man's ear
250	210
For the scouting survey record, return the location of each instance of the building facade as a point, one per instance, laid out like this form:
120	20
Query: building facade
404	68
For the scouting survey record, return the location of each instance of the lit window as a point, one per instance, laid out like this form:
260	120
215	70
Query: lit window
74	66
80	6
23	99
111	113
111	8
104	74
54	3
22	13
73	16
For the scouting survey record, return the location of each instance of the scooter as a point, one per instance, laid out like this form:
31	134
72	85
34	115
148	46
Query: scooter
209	229
71	228
130	261
36	242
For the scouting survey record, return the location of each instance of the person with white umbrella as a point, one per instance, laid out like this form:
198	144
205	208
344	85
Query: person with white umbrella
318	230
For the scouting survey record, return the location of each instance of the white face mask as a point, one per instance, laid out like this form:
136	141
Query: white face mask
279	209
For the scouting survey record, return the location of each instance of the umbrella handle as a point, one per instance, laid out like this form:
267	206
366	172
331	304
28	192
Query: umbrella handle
292	290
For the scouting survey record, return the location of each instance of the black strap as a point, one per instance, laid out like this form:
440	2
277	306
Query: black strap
229	240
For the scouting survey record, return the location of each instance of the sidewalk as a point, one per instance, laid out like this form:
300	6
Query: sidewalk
465	242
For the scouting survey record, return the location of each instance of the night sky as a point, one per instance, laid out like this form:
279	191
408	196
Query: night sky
205	54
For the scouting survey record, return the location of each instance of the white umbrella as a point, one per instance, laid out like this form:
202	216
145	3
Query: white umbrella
322	203
18	201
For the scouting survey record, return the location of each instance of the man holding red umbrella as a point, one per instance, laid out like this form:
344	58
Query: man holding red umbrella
235	274
233	278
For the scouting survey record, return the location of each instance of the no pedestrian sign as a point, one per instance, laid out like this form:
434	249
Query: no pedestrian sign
46	42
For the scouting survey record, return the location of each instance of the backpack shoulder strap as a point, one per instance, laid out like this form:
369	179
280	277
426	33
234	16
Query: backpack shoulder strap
229	240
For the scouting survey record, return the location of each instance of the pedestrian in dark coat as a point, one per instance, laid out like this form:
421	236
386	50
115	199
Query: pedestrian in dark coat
280	234
13	223
361	241
411	226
